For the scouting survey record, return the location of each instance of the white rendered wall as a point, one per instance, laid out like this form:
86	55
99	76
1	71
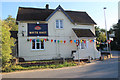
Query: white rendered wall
54	50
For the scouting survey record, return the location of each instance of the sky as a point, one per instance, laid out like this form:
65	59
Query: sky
93	8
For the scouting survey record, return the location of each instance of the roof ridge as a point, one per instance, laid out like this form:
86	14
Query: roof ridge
50	9
34	8
75	11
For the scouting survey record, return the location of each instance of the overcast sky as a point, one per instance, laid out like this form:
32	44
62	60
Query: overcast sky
93	8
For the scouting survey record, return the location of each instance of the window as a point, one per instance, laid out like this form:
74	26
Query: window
83	44
59	24
37	45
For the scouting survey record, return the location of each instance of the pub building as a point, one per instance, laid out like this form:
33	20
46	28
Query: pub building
45	34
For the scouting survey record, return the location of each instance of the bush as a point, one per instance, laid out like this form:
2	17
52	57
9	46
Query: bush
7	43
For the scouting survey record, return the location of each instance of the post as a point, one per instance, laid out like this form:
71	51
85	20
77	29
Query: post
78	55
105	27
110	50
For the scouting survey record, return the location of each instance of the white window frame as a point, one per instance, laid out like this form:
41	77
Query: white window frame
39	45
84	45
59	24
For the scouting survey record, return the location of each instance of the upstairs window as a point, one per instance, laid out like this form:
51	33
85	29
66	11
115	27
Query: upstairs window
59	24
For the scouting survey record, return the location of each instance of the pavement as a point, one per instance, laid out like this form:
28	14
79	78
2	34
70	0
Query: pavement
96	69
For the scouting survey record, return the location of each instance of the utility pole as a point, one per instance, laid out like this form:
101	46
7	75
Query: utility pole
105	26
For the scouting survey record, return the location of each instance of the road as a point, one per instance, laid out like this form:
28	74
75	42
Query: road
97	69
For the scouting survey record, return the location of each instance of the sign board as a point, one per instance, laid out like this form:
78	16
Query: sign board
37	29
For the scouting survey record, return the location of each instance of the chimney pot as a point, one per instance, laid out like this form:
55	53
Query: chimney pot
47	6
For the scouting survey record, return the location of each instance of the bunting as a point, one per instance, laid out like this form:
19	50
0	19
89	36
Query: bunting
64	41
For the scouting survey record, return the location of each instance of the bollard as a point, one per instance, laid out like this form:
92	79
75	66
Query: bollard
89	60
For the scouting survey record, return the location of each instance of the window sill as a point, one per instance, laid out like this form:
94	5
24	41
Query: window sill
59	28
37	49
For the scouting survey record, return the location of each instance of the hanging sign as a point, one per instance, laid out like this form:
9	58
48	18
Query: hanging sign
37	29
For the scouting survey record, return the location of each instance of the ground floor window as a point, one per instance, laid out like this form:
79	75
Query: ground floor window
37	44
83	44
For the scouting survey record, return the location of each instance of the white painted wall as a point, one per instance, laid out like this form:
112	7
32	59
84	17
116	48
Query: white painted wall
54	50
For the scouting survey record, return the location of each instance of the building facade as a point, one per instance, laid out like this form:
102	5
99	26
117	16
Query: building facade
45	34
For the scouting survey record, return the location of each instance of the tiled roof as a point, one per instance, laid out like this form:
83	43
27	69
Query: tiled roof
83	32
38	14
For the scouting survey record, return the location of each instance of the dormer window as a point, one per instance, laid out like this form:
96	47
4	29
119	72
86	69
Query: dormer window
59	24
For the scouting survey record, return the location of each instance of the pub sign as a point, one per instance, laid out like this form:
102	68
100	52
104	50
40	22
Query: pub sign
37	29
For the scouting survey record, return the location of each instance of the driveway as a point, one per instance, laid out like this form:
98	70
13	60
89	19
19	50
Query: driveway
96	69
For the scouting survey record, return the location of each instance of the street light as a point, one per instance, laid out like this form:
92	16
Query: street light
105	27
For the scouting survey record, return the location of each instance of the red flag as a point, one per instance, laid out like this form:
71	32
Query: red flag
84	41
90	40
64	41
45	40
30	40
51	40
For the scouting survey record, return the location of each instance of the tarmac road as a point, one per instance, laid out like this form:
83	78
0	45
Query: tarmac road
97	69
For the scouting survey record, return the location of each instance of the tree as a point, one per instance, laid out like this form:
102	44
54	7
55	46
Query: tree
100	34
116	29
7	43
12	23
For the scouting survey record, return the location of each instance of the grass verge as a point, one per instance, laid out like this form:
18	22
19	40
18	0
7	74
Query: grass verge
51	66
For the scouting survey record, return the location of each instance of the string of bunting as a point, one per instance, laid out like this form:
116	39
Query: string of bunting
61	41
108	41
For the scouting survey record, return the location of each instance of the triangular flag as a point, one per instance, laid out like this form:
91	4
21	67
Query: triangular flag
81	41
90	40
74	41
30	40
84	41
55	41
45	40
37	40
41	39
58	41
71	41
61	41
64	41
27	39
34	40
51	40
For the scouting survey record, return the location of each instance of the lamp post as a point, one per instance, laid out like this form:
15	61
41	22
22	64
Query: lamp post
105	27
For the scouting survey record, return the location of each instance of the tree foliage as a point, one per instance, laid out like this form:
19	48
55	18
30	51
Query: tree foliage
12	23
100	34
116	29
7	43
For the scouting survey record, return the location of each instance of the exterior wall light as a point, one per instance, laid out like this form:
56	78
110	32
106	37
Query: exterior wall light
38	23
